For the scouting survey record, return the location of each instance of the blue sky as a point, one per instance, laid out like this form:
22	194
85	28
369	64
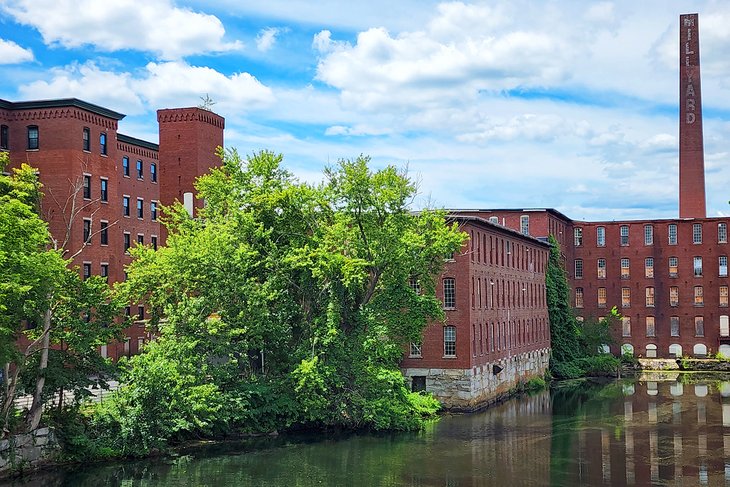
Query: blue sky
565	104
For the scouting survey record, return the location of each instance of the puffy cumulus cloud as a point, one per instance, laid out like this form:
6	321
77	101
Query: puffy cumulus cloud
12	53
419	68
529	126
90	83
266	38
155	26
158	85
175	83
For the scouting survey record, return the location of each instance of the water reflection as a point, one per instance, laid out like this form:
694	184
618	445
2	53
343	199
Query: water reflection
650	431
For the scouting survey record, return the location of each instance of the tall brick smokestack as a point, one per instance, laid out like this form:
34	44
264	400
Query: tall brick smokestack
691	148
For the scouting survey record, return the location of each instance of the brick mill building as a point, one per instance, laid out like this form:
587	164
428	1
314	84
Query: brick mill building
668	278
103	189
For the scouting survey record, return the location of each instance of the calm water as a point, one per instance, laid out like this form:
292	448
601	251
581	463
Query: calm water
670	430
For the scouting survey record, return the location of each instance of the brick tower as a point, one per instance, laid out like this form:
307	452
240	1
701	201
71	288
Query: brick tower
691	151
188	141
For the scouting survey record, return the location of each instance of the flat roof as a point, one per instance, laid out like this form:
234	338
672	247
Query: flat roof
61	102
553	211
485	222
138	142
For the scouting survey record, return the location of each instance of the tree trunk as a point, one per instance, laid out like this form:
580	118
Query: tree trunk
36	409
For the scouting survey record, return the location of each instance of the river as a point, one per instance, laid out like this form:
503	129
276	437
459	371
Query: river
655	430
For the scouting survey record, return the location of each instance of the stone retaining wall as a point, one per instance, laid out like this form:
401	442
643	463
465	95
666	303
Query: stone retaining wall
21	452
475	388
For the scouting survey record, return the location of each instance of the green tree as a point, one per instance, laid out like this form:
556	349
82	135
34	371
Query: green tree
298	290
47	314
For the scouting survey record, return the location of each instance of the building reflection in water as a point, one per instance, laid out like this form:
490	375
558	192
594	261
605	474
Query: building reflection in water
663	431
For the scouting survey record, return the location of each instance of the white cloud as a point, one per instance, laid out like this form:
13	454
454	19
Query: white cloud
266	38
12	53
155	26
158	85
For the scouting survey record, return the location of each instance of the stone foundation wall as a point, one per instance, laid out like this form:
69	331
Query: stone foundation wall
21	452
474	388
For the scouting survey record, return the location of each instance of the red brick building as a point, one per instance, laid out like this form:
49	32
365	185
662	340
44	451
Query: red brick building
496	333
102	189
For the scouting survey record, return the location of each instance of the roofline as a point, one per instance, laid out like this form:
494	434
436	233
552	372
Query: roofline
61	102
517	210
467	218
126	139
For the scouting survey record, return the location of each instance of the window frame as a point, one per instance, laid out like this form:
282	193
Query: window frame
649	267
722	267
672	233
625	297
104	232
4	137
86	139
153	172
86	231
722	232
126	210
673	269
699	296
601	268
104	190
624	235
578	236
449	292
449	336
673	296
674	326
34	143
579	297
140	208
140	169
648	235
697	266
650	322
602	297
125	166
525	224
86	186
103	143
127	242
578	268
625	270
600	236
696	233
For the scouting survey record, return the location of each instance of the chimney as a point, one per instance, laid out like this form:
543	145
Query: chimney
691	149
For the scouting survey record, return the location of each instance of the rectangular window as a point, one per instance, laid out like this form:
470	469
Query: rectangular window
699	296
154	243
104	270
579	297
449	341
724	325
650	326
87	270
601	297
87	139
412	282
601	268
649	297
672	234
648	235
416	350
722	233
525	224
125	205
624	230
698	266
140	208
127	241
153	210
104	233
102	143
649	267
140	312
625	273
699	326
579	268
578	236
625	326
87	230
33	137
674	326
140	172
625	297
140	239
125	166
722	261
4	136
104	189
723	296
449	293
673	296
153	172
87	187
673	265
601	236
696	233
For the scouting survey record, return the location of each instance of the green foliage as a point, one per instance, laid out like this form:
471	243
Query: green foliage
283	304
576	346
